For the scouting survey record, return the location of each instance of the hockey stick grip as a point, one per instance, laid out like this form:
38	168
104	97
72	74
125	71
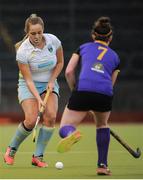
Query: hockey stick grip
45	101
40	114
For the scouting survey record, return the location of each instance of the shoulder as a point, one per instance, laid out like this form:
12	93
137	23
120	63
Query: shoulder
24	50
51	37
82	47
113	52
25	45
87	44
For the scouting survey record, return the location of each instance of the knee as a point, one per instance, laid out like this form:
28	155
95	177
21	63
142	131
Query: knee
49	119
101	124
30	120
51	116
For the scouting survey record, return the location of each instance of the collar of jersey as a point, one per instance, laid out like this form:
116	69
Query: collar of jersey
101	42
32	47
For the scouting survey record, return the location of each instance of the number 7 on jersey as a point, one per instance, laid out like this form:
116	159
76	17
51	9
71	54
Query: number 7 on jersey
102	53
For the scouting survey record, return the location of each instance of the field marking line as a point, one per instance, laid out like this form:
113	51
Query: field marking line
73	152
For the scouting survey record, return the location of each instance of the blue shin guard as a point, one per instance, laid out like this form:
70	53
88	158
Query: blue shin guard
20	135
66	130
70	136
44	136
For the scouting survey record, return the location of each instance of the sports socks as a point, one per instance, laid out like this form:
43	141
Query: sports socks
66	130
44	136
21	133
102	140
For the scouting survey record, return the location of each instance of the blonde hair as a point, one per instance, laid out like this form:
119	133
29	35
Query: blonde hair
32	19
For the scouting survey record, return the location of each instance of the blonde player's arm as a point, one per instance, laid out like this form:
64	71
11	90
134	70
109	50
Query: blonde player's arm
59	66
70	71
25	71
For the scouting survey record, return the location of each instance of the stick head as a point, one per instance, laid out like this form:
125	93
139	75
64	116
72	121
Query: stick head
138	153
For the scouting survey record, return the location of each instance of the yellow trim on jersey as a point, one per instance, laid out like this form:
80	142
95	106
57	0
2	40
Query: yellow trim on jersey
101	42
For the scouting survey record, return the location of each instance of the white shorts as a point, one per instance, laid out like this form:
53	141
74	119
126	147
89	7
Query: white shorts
24	92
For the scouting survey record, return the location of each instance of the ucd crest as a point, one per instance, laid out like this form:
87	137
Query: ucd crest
50	48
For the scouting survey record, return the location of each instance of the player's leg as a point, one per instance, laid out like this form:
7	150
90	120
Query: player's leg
46	131
102	140
68	132
24	129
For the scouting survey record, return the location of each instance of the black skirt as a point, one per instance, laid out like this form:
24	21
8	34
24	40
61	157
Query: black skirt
86	101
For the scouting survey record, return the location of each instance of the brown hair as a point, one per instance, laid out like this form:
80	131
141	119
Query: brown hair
102	29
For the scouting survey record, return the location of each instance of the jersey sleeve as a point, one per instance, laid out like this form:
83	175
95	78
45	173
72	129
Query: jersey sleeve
55	40
21	56
77	51
117	63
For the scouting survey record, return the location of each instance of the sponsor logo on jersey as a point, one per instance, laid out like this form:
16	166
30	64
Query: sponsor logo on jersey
98	67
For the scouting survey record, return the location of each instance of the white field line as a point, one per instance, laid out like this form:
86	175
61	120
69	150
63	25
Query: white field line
74	152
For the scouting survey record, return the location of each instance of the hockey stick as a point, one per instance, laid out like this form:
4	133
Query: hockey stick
39	115
135	154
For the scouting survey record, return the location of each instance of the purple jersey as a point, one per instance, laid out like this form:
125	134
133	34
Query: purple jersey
98	61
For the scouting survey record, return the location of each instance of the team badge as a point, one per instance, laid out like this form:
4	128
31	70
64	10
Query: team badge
50	48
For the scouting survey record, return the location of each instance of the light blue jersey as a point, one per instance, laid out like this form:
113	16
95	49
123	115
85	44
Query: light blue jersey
41	63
